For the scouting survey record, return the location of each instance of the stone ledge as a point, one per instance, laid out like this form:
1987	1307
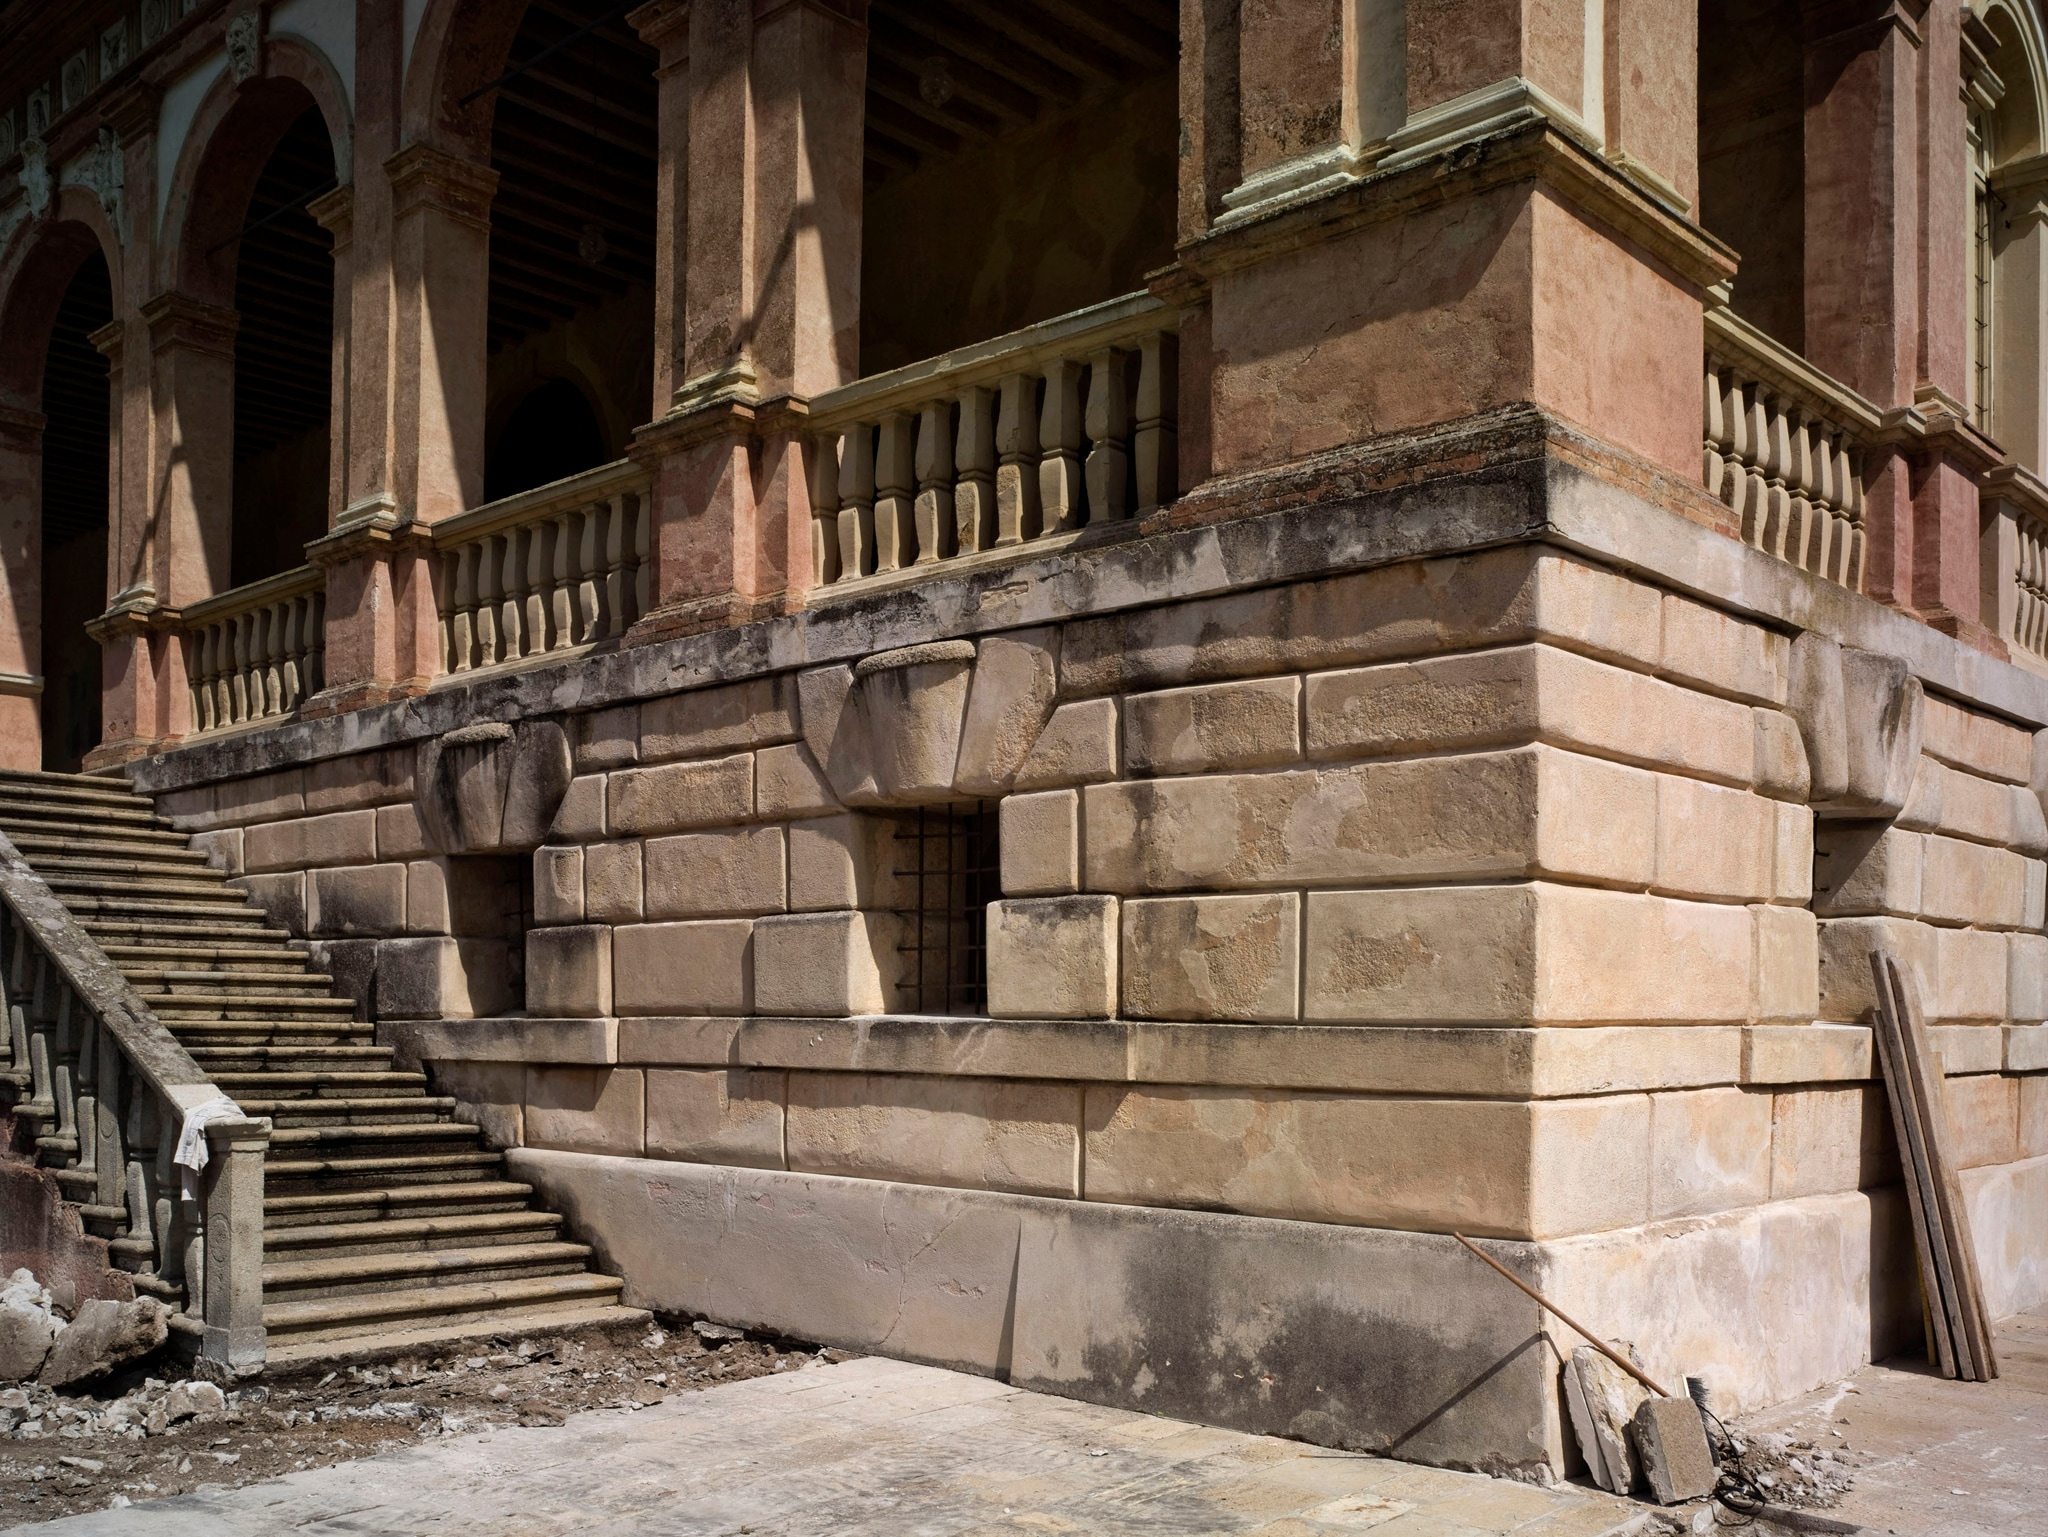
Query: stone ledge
1553	1063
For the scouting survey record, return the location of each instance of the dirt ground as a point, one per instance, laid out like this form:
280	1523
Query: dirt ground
136	1437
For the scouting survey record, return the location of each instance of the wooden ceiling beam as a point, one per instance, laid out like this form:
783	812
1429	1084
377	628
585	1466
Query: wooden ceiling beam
1011	21
908	128
1115	27
1029	71
987	90
902	92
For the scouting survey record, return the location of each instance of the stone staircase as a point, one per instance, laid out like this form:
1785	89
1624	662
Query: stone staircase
386	1220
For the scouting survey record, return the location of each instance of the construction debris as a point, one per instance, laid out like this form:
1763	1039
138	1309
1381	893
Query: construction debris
1671	1444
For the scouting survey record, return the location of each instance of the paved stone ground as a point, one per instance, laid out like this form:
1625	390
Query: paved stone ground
1936	1458
867	1447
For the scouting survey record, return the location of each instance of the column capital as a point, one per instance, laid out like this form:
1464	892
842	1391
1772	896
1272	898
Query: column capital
423	176
176	319
108	339
664	25
135	110
335	212
22	428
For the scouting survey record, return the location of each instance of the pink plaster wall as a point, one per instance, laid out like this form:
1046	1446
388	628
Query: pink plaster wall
1290	78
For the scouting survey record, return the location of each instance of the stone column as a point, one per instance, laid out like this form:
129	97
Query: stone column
770	181
21	579
336	214
231	1196
2020	328
192	442
665	27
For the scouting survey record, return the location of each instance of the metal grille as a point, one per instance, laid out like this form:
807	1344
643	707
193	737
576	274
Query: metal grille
946	866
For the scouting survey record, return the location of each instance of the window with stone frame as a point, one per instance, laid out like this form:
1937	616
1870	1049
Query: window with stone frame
945	869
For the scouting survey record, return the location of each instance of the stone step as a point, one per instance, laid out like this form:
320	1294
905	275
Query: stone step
37	844
286	1281
372	1110
511	1303
247	1088
212	1034
427	1168
255	1058
102	783
141	952
379	1343
180	891
238	985
406	1202
404	1234
171	864
426	1136
133	900
99	816
170	1005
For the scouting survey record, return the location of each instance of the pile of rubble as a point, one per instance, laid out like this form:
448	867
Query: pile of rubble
1792	1473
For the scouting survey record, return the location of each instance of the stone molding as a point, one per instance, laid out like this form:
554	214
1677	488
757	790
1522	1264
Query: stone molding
423	177
175	319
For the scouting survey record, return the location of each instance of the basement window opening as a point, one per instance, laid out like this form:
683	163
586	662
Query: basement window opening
947	864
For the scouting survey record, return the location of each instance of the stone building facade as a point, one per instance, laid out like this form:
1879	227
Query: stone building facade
1043	686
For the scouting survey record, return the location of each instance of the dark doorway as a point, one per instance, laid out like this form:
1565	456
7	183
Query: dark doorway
74	566
550	434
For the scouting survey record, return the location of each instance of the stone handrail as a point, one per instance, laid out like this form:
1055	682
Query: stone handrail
255	652
101	1090
1047	430
1784	450
561	566
2013	561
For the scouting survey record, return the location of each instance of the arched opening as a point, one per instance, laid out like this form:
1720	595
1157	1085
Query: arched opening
551	434
1017	168
572	244
1752	147
284	296
2008	250
73	568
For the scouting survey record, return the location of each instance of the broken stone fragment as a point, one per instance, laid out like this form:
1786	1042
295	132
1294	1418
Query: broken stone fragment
1671	1442
103	1336
1611	1399
28	1327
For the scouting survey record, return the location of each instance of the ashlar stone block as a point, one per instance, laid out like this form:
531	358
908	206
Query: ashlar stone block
1973	964
1983	1119
1714	842
1523	953
1197	958
283	897
356	900
1710	1150
1866	868
829	965
606	739
612	883
789	783
727	1116
1781	768
581	816
1787	963
2026	977
1015	680
339	838
1970	883
558	885
685	968
587	1109
967	1133
1041	843
1847	993
833	861
1807	1053
425	978
1217	727
1792	853
1053	958
427	909
1077	746
1829	1140
754	712
1967	739
1712	650
710	792
399	834
740	871
569	972
1528	811
222	848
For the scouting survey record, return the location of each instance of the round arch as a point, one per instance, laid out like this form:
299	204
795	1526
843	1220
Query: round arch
2021	64
460	45
34	272
237	127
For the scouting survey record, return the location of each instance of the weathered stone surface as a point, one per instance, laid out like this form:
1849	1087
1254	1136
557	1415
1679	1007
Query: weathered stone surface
399	833
607	739
490	1095
360	779
1866	868
283	897
569	971
1983	1119
1806	1053
915	702
341	838
833	861
1478	1166
1972	965
427	909
1971	883
1532	810
1015	679
1217	727
755	713
612	883
742	871
423	979
1522	953
492	787
712	792
222	848
1714	842
1611	1397
1671	1441
558	885
1235	957
587	1109
28	1327
1792	854
827	964
977	1134
1787	963
1077	746
581	817
1981	744
1053	958
1816	702
103	1336
1826	1141
684	968
1846	990
1972	1048
1041	843
356	900
716	1115
789	783
1710	1150
1781	770
835	728
1526	694
1860	715
2026	977
1717	651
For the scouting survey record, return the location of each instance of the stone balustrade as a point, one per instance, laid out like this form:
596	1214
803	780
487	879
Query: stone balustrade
255	652
1048	430
1784	449
2013	562
561	566
102	1091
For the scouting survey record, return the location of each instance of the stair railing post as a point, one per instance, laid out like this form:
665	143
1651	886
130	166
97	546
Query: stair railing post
231	1196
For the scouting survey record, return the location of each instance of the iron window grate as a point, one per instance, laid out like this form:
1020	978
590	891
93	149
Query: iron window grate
948	865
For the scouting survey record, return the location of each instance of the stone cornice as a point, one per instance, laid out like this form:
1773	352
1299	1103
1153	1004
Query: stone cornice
173	317
421	175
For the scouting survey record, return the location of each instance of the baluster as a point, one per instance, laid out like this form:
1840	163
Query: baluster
561	596
615	548
643	552
444	605
275	650
110	1156
1157	437
238	689
291	613
857	501
974	454
824	488
513	642
934	465
1799	483
487	652
1710	433
540	572
462	616
194	642
895	485
1735	490
1108	423
1018	514
223	672
590	579
140	1229
1060	488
